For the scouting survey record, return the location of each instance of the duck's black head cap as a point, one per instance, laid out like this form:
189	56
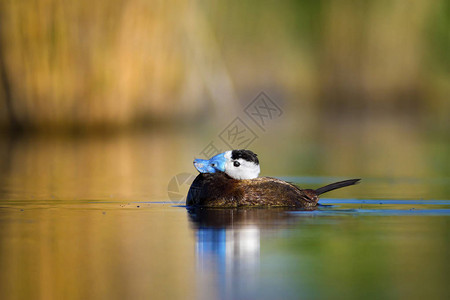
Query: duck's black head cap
245	154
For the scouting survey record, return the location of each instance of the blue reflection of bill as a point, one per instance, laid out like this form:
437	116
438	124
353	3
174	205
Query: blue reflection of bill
228	260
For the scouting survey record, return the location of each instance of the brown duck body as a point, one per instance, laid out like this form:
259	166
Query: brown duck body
220	190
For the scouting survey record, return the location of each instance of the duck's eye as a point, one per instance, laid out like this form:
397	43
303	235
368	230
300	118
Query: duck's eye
213	165
236	164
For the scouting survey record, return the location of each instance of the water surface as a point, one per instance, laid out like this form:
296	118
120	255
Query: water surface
92	219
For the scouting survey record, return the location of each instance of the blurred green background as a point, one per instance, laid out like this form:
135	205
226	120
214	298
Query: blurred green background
120	63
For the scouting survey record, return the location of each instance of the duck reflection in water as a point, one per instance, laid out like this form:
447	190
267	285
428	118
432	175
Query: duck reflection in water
228	247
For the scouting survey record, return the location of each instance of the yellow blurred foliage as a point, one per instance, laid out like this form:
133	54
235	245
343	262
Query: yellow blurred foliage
117	63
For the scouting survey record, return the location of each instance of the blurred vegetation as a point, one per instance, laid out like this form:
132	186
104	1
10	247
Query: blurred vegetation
110	64
365	87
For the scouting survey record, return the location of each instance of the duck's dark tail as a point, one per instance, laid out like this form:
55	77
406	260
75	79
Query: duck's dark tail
336	185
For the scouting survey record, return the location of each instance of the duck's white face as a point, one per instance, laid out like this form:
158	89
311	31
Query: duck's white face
239	168
238	164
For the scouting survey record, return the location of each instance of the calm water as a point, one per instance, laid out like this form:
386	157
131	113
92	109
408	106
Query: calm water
91	218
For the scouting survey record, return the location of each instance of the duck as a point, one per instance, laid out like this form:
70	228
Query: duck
230	180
